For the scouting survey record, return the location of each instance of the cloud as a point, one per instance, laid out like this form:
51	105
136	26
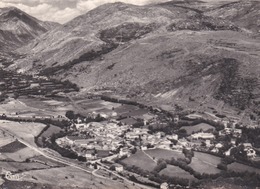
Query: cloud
62	10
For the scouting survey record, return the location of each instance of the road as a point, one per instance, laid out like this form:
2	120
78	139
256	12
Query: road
125	179
44	152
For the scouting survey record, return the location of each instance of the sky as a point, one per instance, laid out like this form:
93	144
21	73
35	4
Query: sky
62	11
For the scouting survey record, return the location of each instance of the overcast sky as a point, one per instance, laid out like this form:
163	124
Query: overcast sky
62	10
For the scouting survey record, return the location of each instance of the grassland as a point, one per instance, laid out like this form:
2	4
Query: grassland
20	155
205	163
21	166
174	171
5	138
45	106
69	177
238	167
26	131
140	159
12	147
164	154
197	128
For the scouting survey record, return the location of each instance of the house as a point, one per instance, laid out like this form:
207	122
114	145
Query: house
251	153
119	168
143	147
237	132
208	143
183	142
124	151
90	156
164	186
159	135
247	146
219	145
215	150
131	135
201	135
172	137
176	119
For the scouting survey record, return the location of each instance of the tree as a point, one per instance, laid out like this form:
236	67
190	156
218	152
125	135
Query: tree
70	114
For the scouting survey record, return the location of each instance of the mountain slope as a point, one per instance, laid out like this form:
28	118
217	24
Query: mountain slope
18	28
159	55
243	13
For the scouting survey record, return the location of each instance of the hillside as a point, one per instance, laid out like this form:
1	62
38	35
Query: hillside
18	28
163	55
243	13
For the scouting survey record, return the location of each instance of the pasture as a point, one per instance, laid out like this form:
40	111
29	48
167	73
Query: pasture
238	167
174	171
12	147
205	163
21	166
70	177
26	131
140	159
164	154
20	155
198	128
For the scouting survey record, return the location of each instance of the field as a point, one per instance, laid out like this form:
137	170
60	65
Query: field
164	154
12	147
26	131
197	128
69	177
20	155
205	163
238	167
21	166
5	138
46	161
174	171
140	159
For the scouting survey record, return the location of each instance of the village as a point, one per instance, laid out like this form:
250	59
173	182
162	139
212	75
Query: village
121	137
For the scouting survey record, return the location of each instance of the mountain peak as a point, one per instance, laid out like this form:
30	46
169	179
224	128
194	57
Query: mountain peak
18	28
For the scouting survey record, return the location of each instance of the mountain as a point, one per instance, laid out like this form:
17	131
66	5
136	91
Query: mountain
18	28
174	55
243	13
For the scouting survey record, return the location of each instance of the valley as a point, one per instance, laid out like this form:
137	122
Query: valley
163	95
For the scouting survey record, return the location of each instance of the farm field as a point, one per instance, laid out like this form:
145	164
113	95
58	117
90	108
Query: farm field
12	147
164	154
20	155
70	177
21	166
46	161
47	107
197	128
140	159
26	131
238	167
175	171
205	163
5	138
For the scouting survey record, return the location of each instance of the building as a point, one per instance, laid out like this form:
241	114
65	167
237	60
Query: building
164	186
119	168
205	136
251	153
173	137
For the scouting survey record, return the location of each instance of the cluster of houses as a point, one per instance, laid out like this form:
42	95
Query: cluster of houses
117	137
